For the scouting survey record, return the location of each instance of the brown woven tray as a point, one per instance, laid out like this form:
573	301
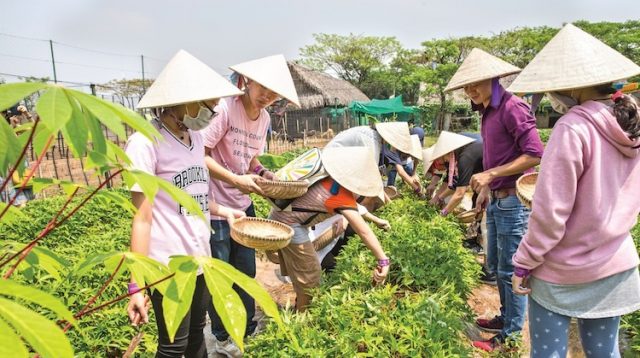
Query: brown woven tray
526	187
392	192
283	189
260	233
467	217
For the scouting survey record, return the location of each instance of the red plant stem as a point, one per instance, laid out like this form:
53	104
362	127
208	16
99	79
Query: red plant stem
33	169
121	297
22	154
93	299
55	218
50	227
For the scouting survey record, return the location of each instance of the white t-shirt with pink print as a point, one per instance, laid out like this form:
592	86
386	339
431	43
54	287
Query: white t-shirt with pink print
235	140
174	231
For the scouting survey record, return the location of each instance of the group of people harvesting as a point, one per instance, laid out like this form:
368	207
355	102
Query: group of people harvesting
570	256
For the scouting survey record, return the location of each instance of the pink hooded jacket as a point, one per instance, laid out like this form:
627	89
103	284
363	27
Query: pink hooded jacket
587	200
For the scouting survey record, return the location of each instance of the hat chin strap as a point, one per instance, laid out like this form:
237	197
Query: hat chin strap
452	168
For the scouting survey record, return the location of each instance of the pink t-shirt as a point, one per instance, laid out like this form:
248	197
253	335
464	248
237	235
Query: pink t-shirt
173	230
234	140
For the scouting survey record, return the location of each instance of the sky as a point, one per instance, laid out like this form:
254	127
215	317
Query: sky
223	33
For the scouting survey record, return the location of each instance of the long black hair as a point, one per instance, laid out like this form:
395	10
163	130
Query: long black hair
626	111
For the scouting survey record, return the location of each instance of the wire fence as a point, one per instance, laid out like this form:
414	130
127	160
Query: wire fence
59	162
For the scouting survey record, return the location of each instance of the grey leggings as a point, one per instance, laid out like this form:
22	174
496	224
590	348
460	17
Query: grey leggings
549	333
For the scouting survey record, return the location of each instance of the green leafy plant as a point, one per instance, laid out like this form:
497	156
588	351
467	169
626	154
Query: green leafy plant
79	118
420	312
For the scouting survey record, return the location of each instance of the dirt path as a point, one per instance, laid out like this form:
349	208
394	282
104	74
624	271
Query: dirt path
485	302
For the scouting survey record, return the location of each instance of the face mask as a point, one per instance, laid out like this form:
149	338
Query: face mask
200	121
561	103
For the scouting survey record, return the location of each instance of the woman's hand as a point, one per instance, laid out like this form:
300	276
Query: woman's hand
520	285
234	214
437	202
383	224
415	180
380	274
269	175
248	183
138	308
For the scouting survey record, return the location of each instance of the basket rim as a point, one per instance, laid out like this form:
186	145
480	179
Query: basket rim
286	237
284	183
525	185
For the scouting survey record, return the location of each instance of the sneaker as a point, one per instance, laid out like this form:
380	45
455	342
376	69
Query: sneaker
490	325
227	348
488	278
489	345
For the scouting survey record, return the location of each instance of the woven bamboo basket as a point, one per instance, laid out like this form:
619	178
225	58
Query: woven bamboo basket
278	189
260	233
467	217
526	187
392	192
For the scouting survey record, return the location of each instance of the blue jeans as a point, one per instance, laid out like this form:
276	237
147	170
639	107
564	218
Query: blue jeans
391	175
507	221
243	258
549	333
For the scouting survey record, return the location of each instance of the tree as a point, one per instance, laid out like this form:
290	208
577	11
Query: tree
355	58
443	58
519	46
127	89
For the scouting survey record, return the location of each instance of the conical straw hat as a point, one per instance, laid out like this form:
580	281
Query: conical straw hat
427	155
186	79
271	72
416	147
397	135
353	168
479	66
573	59
448	142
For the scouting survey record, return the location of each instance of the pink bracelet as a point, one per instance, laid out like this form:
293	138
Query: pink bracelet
132	287
384	262
257	169
444	212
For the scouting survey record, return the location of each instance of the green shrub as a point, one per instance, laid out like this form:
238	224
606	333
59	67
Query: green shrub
421	312
544	135
381	322
98	227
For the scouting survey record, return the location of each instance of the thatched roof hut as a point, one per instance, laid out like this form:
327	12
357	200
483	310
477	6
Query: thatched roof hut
317	89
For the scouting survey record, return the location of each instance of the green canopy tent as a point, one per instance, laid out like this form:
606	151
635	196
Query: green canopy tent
382	107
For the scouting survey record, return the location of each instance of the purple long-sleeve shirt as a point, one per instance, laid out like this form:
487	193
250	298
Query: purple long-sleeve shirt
508	131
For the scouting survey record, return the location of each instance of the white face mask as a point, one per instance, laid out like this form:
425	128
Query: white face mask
561	103
200	121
